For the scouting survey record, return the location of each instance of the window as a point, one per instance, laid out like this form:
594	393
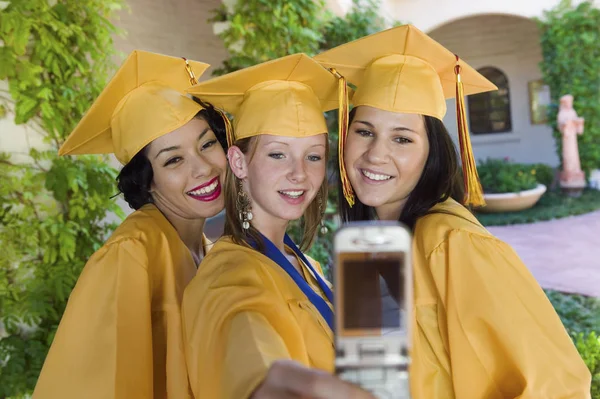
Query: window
490	112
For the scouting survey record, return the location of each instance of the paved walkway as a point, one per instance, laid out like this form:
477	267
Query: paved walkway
562	254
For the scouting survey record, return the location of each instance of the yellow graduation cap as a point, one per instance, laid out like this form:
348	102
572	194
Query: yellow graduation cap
404	70
143	101
283	97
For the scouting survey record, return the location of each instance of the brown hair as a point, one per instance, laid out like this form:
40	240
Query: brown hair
310	220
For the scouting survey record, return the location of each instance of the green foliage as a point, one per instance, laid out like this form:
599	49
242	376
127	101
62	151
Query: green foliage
544	174
56	58
552	205
580	314
362	20
581	317
262	30
589	348
502	176
571	65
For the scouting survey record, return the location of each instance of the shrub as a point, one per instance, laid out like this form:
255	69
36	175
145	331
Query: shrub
501	176
580	314
56	56
581	317
544	174
589	349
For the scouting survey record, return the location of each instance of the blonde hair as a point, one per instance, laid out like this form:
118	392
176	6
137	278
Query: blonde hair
310	220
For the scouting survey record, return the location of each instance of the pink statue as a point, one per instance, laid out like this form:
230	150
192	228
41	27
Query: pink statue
572	178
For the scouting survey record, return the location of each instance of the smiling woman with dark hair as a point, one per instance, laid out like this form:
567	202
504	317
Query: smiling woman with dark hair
120	335
482	326
135	178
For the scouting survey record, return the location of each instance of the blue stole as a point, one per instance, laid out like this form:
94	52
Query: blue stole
273	253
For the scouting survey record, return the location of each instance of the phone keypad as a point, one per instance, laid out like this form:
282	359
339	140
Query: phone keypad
384	383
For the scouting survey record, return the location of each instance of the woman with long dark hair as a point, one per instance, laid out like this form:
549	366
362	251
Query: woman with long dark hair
482	326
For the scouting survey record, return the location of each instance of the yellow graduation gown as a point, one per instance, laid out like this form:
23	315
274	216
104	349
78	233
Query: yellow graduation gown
120	336
483	326
241	313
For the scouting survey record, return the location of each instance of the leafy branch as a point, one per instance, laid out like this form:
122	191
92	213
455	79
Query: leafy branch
57	56
571	65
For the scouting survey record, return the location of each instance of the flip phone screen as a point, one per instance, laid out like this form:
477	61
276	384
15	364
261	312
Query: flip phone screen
372	292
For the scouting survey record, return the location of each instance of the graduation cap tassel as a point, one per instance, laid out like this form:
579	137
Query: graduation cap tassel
342	133
188	68
226	121
228	128
473	190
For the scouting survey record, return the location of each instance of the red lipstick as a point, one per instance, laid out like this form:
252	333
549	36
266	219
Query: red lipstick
210	196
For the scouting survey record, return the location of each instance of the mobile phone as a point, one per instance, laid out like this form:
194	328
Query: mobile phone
373	301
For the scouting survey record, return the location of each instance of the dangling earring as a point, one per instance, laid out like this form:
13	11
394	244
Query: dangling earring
244	207
324	229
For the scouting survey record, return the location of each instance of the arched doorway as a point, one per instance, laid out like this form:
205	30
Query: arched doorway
505	47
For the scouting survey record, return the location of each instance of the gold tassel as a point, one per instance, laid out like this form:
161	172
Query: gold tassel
473	190
188	68
228	127
342	133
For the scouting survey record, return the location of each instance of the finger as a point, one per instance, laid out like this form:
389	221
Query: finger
332	387
292	376
276	393
312	383
267	390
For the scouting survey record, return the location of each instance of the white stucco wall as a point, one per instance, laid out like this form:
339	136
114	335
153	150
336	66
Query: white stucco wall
510	44
428	15
338	7
14	139
173	27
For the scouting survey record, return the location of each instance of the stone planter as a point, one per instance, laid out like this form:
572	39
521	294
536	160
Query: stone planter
512	202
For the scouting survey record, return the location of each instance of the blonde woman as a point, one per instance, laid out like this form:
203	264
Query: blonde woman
258	316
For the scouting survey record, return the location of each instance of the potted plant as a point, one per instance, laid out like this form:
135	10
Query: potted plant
508	187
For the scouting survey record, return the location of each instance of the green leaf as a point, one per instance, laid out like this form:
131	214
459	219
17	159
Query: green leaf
25	109
21	36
